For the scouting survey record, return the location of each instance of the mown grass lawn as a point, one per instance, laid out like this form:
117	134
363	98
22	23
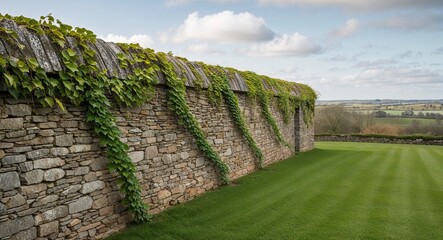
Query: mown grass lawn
338	191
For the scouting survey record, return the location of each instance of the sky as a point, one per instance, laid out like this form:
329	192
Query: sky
344	49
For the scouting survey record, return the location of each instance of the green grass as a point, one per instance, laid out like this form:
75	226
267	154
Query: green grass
402	121
338	191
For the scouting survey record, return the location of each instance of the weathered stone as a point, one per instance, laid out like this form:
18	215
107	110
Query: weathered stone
228	152
91	176
184	155
92	186
37	153
177	190
74	222
72	189
33	177
21	149
2	208
52	214
16	225
29	234
81	204
163	194
99	203
99	164
33	189
39	119
46	133
65	140
54	174
11	123
199	162
45	200
48	228
9	181
47	125
80	148
2	154
59	151
26	166
16	134
137	156
167	158
46	163
148	134
69	124
14	201
170	137
81	171
19	110
151	152
13	159
106	211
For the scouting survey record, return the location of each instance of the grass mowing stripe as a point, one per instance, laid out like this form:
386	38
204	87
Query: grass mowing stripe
335	204
318	190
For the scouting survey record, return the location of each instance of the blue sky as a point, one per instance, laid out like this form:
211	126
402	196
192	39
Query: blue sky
344	49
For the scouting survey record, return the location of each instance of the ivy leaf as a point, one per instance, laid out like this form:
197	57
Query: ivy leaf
33	63
71	52
60	104
37	83
49	101
10	80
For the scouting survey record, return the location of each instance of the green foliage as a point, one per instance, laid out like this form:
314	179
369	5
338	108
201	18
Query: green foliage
177	103
232	104
259	92
81	83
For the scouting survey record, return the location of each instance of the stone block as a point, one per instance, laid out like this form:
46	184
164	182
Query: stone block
13	159
99	203
14	201
14	226
80	148
26	166
228	152
45	200
11	123
137	156
16	134
92	186
167	158
46	133
59	151
48	228
29	234
65	140
199	162
9	181
32	177
46	163
47	125
184	155
19	110
81	204
99	164
163	194
52	214
81	171
170	137
39	119
151	152
106	211
72	189
37	153
33	189
2	154
54	174
69	124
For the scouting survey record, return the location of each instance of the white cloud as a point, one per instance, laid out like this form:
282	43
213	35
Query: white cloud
204	49
224	27
142	39
359	4
412	21
284	45
350	27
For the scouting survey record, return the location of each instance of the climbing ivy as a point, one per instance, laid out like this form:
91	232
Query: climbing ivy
177	103
220	76
78	83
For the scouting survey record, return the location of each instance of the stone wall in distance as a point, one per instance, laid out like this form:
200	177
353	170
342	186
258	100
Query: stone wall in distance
54	181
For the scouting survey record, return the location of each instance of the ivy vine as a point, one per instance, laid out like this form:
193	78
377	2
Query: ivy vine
177	103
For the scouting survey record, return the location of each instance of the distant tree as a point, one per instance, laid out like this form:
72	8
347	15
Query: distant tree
380	114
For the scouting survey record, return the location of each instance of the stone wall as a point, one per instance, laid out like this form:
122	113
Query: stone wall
369	139
54	181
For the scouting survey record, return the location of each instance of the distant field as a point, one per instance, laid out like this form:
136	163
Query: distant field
337	191
402	121
398	112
